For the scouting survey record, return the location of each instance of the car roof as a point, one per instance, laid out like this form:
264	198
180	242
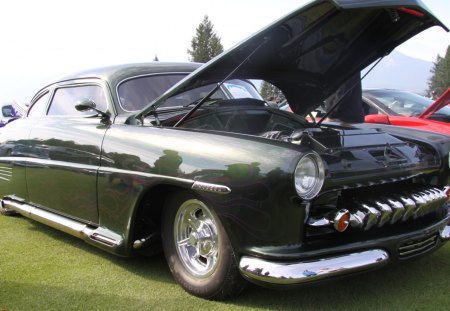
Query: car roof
117	73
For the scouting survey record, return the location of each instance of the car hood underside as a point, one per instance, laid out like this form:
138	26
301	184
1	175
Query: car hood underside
309	53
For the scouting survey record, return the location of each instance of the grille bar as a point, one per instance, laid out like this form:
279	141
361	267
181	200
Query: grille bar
418	246
394	207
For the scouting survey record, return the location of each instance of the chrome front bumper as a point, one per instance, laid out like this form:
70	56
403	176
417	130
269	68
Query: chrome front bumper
290	273
308	271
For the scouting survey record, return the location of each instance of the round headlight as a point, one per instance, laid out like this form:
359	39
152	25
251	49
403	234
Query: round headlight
309	176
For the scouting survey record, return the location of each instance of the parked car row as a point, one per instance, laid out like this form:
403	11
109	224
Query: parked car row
407	109
399	108
189	159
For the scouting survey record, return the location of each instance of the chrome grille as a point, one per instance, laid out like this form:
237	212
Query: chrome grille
394	207
417	246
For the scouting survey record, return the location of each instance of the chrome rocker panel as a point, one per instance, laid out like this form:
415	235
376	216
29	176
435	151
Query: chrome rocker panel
100	237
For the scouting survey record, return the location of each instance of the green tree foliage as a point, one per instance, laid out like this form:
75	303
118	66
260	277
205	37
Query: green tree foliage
205	44
270	92
440	80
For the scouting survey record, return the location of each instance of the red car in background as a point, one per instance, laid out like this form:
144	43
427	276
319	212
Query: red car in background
407	109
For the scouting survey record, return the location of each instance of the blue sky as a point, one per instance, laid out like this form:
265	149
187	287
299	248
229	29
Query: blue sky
42	40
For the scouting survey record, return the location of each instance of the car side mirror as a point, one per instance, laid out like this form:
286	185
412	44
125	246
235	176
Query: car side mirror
88	104
85	105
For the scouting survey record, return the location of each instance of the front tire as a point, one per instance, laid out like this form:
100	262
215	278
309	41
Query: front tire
197	249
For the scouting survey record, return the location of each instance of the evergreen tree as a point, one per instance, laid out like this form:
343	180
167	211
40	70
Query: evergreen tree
205	44
270	92
440	80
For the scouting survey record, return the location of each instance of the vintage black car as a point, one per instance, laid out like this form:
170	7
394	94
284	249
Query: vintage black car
231	188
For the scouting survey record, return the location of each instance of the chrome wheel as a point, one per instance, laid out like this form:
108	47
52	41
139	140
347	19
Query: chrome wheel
196	238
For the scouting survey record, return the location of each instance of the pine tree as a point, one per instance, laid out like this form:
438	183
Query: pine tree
270	92
440	80
205	44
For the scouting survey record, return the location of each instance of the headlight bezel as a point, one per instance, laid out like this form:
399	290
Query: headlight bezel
308	189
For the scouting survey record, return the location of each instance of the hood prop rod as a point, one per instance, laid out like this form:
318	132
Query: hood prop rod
219	84
338	102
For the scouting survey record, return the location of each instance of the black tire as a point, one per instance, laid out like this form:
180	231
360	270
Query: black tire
213	272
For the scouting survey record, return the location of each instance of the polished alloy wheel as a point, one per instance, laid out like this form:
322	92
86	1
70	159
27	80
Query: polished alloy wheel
196	238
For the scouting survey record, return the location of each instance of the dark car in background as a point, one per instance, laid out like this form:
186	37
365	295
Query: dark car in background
231	188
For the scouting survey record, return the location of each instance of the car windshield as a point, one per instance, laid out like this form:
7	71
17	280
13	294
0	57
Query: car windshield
404	103
134	94
229	89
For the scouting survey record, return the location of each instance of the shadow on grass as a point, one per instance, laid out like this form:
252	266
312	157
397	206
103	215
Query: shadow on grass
417	285
154	268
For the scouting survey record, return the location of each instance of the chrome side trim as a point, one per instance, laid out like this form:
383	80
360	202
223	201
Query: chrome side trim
5	173
202	186
308	271
67	225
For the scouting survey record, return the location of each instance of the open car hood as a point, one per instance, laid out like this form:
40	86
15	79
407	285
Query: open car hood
441	102
310	52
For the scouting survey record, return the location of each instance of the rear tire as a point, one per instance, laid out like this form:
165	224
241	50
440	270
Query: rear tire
197	249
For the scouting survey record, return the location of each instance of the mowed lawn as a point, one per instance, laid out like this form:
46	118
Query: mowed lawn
44	269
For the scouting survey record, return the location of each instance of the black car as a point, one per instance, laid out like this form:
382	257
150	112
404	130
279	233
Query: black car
230	187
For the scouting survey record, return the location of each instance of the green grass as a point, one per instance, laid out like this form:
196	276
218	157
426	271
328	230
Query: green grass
44	269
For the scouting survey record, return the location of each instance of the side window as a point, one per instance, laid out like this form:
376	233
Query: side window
38	108
65	99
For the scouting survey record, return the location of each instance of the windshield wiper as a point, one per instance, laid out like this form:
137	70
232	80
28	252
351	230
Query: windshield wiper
195	102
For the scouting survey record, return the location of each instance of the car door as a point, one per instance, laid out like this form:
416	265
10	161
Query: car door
15	150
66	147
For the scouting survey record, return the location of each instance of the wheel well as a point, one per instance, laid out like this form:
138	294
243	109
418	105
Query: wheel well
147	219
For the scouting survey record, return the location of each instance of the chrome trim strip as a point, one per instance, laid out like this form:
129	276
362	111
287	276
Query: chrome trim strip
103	239
67	225
308	271
50	162
207	187
418	247
93	168
318	222
143	174
3	178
